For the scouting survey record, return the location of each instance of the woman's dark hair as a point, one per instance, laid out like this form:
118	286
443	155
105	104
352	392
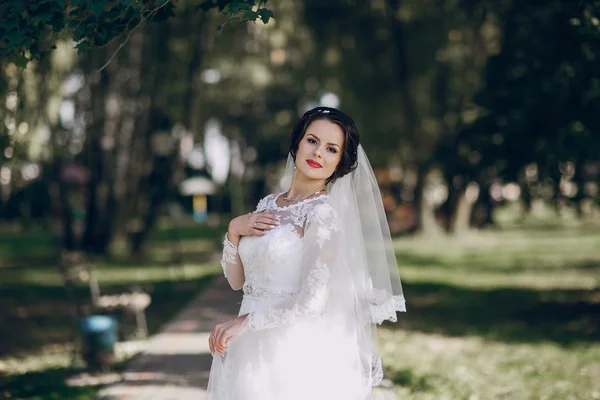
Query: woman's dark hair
348	162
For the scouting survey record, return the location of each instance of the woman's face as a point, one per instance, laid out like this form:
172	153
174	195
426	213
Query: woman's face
320	150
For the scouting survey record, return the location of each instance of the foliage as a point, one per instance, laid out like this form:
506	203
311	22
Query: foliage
541	98
30	29
239	11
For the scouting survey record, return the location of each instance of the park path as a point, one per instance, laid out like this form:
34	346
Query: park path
176	363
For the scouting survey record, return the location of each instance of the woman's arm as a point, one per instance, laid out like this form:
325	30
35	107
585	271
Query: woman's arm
233	268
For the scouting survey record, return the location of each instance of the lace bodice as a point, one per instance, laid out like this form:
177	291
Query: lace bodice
272	263
282	265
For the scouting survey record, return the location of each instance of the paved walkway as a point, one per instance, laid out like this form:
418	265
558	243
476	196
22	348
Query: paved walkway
177	362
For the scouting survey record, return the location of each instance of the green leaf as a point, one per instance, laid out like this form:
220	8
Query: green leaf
249	16
20	60
236	7
82	46
43	18
97	7
265	15
10	25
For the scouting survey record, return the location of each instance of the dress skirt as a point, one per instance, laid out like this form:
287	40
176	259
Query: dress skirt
314	358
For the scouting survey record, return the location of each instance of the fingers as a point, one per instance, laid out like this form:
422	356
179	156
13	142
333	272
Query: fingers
265	218
261	223
224	337
223	344
256	232
215	341
268	218
263	226
218	331
211	345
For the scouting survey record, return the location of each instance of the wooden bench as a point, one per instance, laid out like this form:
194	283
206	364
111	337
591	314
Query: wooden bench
77	270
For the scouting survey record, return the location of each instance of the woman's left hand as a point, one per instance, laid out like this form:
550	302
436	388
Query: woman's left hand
219	338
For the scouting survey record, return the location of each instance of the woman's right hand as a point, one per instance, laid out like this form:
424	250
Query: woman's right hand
255	224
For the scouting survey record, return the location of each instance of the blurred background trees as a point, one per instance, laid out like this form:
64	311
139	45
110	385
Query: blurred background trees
463	106
132	131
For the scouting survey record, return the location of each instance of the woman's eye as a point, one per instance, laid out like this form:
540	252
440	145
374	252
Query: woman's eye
312	141
331	149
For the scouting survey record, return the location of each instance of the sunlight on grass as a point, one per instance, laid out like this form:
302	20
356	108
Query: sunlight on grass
543	260
487	279
498	315
435	367
114	274
491	315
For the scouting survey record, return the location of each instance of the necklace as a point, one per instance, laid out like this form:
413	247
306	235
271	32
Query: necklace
290	199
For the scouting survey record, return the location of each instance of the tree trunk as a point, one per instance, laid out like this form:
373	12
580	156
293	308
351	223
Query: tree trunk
526	197
425	211
580	197
159	181
461	217
162	181
483	209
68	241
101	201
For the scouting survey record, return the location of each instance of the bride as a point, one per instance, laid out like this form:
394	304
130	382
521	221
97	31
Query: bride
318	272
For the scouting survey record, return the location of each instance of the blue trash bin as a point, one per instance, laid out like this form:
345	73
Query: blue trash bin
99	334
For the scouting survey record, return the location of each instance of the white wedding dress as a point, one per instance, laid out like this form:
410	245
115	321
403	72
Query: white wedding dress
293	346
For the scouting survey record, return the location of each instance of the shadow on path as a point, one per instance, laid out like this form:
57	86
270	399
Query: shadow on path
177	362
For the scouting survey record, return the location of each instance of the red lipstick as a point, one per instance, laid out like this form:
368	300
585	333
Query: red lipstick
314	164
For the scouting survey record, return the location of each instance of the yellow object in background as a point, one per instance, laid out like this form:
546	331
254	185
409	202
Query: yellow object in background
200	212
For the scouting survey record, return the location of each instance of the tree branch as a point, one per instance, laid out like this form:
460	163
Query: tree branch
142	20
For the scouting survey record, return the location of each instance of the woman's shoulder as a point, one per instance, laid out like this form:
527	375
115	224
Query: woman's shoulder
322	210
265	202
314	207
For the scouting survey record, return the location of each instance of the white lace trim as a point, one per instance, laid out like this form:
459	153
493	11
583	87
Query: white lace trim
376	371
384	306
229	255
309	302
258	291
263	204
299	213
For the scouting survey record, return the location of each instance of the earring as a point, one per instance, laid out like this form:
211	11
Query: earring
294	167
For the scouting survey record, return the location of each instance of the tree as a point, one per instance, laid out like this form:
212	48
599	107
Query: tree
540	103
29	30
407	71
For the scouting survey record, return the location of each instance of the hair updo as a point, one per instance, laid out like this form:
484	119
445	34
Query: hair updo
348	161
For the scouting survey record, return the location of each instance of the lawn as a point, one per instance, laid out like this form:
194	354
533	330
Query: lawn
35	347
509	314
498	315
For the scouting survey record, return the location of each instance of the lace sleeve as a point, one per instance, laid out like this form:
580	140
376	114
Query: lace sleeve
230	255
321	232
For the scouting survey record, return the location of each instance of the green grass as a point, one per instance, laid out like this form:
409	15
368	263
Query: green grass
498	315
508	314
47	384
35	323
